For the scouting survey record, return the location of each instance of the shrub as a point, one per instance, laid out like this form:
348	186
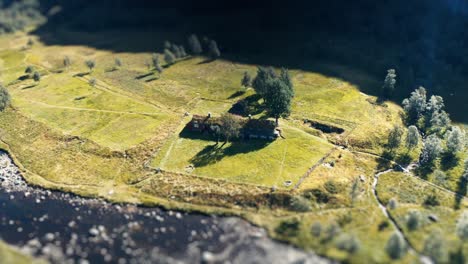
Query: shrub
413	220
332	231
288	227
348	243
383	225
431	200
396	246
317	194
92	82
300	204
4	98
435	247
392	204
316	229
462	226
345	219
332	187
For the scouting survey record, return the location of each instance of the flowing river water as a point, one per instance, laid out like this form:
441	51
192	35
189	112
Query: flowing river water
65	228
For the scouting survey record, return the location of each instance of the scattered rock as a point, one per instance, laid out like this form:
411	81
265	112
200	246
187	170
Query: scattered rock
433	218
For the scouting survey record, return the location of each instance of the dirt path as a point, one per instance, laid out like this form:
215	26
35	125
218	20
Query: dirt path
423	259
89	109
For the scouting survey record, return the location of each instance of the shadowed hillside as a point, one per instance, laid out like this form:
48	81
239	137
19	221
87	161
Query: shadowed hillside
425	41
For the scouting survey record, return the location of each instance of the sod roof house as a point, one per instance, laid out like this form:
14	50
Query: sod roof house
251	128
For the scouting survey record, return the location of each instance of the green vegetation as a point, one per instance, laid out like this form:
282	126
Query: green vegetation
124	130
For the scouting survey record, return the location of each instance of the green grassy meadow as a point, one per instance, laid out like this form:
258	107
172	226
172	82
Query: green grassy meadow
69	135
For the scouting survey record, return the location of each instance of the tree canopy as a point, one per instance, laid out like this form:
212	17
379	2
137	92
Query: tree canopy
230	126
4	98
388	87
194	44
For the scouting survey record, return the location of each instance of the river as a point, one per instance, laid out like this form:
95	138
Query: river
65	228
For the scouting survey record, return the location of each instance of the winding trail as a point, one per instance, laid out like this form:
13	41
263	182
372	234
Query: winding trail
411	249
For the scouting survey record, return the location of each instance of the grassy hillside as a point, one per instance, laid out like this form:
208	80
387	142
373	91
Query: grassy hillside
123	139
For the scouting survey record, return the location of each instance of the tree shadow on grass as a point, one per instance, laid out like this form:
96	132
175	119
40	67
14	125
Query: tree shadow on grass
448	161
206	61
236	94
29	87
23	77
81	74
461	190
139	77
216	152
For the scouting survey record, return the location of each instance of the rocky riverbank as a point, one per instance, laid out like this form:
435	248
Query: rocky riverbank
64	228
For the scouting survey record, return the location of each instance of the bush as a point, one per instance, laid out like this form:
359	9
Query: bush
345	219
332	187
431	200
392	204
316	229
300	204
318	195
288	227
396	246
332	231
413	220
348	243
4	98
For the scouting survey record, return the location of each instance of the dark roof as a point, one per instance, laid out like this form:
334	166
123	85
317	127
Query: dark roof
247	124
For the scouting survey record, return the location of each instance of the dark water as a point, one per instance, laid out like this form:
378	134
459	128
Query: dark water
63	228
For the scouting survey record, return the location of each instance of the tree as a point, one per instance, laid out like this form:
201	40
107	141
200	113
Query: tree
439	121
30	42
462	226
66	62
194	44
183	53
118	63
388	87
395	137
465	171
316	229
415	105
246	80
396	246
264	76
213	50
230	126
435	248
431	150
176	51
434	106
332	231
169	57
440	178
155	62
412	137
278	99
413	220
36	76
90	64
167	44
455	140
92	82
286	78
392	204
4	98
